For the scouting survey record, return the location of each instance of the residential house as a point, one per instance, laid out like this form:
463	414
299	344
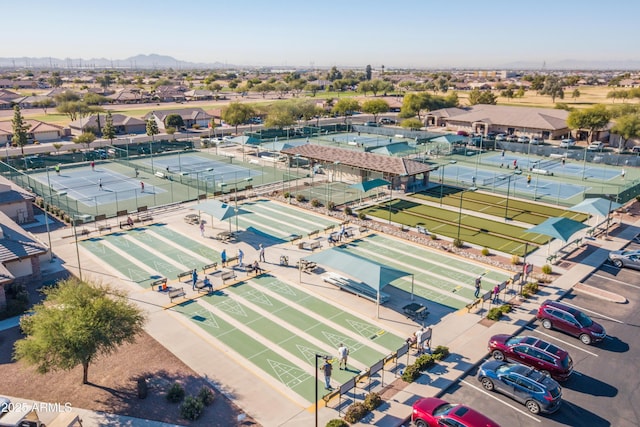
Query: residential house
199	95
170	93
123	124
190	116
38	131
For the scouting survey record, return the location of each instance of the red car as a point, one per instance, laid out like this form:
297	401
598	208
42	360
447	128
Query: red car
531	351
434	412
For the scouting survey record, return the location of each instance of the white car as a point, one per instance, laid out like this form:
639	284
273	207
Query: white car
227	138
567	143
536	140
524	139
595	146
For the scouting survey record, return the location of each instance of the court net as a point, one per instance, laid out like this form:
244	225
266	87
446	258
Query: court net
547	164
495	179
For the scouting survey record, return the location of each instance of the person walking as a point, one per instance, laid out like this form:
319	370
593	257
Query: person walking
419	337
100	184
142	186
528	180
58	169
202	228
478	286
240	257
194	279
622	173
496	292
502	155
343	355
261	253
563	161
326	369
93	166
515	163
223	257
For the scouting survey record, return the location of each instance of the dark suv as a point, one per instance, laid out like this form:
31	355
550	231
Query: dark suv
534	352
571	321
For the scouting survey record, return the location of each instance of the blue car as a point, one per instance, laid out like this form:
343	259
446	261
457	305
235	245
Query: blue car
536	391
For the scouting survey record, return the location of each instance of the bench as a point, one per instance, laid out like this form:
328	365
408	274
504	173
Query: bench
161	283
228	275
312	246
144	217
314	233
251	269
105	227
329	228
209	267
66	419
124	224
176	293
356	288
473	303
200	285
294	238
363	229
230	259
307	266
187	274
160	174
348	234
422	230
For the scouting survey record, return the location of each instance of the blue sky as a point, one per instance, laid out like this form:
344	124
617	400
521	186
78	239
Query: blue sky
410	33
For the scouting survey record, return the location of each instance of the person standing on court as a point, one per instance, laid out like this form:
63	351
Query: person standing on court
142	186
58	169
202	228
478	285
326	369
496	292
261	253
223	257
93	166
100	184
343	354
622	173
528	180
240	257
194	279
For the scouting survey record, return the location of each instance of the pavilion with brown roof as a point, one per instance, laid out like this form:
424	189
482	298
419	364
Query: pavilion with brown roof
359	166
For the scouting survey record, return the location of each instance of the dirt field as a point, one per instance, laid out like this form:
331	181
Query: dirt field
113	384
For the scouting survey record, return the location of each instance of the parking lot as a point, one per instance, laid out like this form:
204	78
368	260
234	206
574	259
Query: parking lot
603	388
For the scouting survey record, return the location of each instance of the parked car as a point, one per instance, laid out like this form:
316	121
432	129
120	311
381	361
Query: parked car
570	320
34	162
625	259
567	143
595	146
434	412
511	138
463	133
524	139
535	352
537	392
388	121
536	140
501	137
372	124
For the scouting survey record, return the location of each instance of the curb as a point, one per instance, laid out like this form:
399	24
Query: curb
600	293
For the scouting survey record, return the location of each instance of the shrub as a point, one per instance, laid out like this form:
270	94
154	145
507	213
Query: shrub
424	362
515	259
355	412
191	408
494	314
337	423
331	206
175	393
458	243
440	352
525	294
286	194
410	374
362	216
196	126
434	236
505	308
546	269
372	401
485	251
315	203
205	395
300	198
348	211
170	130
531	288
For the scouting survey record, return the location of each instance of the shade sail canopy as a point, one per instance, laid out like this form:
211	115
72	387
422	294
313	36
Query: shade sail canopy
369	185
375	275
449	139
217	209
596	206
558	228
245	140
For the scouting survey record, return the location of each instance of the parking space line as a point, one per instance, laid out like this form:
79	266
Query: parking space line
499	400
611	279
558	339
594	312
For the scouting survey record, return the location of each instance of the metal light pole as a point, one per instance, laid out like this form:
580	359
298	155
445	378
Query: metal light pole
318	356
75	234
506	207
460	215
390	198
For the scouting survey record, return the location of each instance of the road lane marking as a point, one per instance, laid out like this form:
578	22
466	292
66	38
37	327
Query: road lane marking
611	279
558	339
594	312
499	400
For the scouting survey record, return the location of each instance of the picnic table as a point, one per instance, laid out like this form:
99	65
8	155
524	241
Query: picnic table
226	236
192	219
415	311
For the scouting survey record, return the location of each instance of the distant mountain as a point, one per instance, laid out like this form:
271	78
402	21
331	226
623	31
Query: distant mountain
573	64
135	62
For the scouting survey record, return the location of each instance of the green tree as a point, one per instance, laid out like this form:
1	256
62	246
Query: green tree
236	113
85	138
591	119
334	74
375	107
280	115
55	80
477	96
627	127
367	72
174	121
108	130
380	86
152	127
105	81
19	128
412	123
95	99
507	93
345	107
45	104
77	323
575	94
553	87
